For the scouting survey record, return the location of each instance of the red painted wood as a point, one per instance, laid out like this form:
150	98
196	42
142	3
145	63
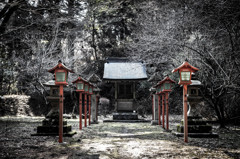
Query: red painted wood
97	108
60	140
159	110
167	116
85	110
89	110
163	120
80	110
185	113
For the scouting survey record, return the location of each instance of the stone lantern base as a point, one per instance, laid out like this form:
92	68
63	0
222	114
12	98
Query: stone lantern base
197	127
50	125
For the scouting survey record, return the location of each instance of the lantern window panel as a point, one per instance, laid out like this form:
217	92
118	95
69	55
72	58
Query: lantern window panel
167	86
80	86
60	76
185	76
86	88
90	89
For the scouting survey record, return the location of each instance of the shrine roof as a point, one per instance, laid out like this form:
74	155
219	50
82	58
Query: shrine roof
124	70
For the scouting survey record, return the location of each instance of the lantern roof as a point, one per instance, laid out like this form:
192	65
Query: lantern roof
94	78
185	65
50	83
196	83
91	84
96	89
152	89
154	78
80	79
167	79
164	80
61	66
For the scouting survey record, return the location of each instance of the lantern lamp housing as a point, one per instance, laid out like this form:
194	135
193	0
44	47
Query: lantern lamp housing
86	87
185	72
158	88
79	84
61	73
167	84
90	89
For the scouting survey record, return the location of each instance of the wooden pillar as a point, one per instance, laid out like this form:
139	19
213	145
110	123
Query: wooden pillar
89	110
80	110
85	110
159	110
60	140
185	113
167	116
163	110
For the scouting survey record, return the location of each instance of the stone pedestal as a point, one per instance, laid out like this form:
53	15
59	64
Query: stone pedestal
94	112
50	125
155	110
197	127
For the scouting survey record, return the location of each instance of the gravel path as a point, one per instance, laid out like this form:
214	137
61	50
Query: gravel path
112	141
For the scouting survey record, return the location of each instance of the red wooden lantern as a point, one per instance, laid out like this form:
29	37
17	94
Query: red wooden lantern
158	88
90	91
185	72
61	73
80	83
86	87
61	76
166	84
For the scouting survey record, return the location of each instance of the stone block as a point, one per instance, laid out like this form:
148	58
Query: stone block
195	128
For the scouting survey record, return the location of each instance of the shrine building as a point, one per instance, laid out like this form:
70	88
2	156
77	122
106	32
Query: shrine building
124	74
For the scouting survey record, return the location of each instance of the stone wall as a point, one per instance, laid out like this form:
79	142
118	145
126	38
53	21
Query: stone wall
15	105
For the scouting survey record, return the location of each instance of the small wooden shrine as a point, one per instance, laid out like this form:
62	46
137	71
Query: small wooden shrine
124	74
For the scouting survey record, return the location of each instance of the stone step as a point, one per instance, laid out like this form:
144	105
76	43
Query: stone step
53	129
125	116
52	123
195	128
195	122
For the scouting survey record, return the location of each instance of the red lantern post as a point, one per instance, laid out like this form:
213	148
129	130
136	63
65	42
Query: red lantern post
158	92
185	72
167	114
163	111
159	110
166	88
80	88
86	89
61	74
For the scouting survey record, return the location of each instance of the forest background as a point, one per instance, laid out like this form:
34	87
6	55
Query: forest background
35	34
